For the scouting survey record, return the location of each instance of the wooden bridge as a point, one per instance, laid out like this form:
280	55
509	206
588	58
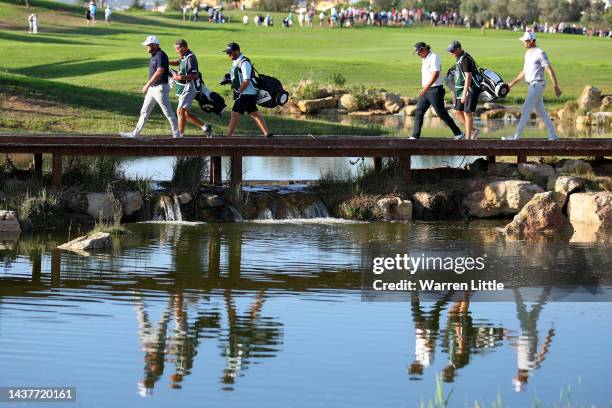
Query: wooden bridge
293	146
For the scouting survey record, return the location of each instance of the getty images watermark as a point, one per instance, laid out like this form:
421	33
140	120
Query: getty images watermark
402	265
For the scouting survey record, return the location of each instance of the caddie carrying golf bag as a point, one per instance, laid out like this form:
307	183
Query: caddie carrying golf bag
270	91
209	101
491	84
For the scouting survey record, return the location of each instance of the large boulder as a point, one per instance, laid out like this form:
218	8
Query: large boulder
504	197
536	172
601	119
395	209
9	221
542	214
572	166
434	205
564	185
211	201
593	207
410	110
226	213
98	240
101	205
348	102
590	98
131	201
393	103
315	105
606	103
502	169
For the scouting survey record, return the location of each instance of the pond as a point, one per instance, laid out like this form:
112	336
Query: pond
272	314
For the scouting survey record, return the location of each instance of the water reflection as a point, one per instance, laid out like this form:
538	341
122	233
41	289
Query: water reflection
218	291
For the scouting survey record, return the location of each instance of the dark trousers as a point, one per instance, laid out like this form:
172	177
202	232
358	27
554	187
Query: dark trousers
433	97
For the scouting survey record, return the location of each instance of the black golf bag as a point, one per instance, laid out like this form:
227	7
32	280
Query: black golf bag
270	91
210	102
490	84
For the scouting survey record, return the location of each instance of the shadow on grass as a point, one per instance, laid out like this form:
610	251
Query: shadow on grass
121	104
80	67
39	38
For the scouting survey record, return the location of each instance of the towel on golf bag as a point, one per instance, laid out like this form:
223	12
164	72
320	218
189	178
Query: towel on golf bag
491	84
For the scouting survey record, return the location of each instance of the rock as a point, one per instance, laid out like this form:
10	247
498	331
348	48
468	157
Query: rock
593	207
408	100
374	112
542	214
99	240
583	120
211	201
512	115
505	197
564	186
131	201
348	102
395	209
393	103
410	110
493	105
590	98
536	172
101	205
224	213
291	107
566	115
315	105
502	169
9	221
606	104
434	205
493	114
574	166
184	198
431	113
601	119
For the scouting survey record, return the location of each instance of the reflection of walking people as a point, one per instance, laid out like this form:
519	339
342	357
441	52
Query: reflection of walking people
33	23
156	89
466	89
186	85
245	94
432	93
536	62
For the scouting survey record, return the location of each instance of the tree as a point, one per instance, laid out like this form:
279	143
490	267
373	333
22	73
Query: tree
501	8
555	11
525	10
476	9
275	5
593	15
174	5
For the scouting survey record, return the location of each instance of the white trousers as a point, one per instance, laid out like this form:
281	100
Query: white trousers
535	100
157	95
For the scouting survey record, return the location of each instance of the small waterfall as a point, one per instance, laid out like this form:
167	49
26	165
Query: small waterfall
292	205
236	214
316	210
169	209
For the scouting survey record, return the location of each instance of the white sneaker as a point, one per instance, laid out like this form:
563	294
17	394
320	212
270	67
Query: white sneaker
553	138
412	138
177	136
514	137
475	133
129	135
459	137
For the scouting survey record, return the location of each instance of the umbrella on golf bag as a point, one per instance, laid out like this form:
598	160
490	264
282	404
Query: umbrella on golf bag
491	85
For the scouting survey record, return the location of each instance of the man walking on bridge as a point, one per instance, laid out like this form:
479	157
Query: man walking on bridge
245	94
187	84
156	89
536	62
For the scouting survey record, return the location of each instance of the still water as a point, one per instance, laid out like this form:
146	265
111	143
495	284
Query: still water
271	314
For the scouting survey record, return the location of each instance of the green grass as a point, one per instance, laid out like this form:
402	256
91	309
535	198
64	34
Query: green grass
93	74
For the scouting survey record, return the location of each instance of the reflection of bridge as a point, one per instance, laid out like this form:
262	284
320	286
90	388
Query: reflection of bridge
321	146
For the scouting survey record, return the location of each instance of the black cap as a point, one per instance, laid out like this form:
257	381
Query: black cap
453	46
419	46
231	47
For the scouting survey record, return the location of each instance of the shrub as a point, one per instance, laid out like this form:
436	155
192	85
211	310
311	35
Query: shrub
337	79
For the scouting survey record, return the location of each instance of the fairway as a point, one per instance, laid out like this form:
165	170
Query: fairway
104	67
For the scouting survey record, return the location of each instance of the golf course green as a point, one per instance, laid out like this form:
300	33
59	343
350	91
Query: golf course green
71	77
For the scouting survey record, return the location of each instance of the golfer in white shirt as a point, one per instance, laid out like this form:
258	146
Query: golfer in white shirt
536	62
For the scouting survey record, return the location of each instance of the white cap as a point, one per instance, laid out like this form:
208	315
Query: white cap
151	40
529	35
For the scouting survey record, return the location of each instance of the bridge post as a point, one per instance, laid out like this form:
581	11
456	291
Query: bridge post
215	170
236	170
491	159
38	165
521	158
56	170
405	168
377	164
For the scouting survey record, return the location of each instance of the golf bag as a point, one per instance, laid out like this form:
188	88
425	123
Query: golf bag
491	85
209	101
270	91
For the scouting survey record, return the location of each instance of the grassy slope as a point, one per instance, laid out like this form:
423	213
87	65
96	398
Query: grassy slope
110	59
